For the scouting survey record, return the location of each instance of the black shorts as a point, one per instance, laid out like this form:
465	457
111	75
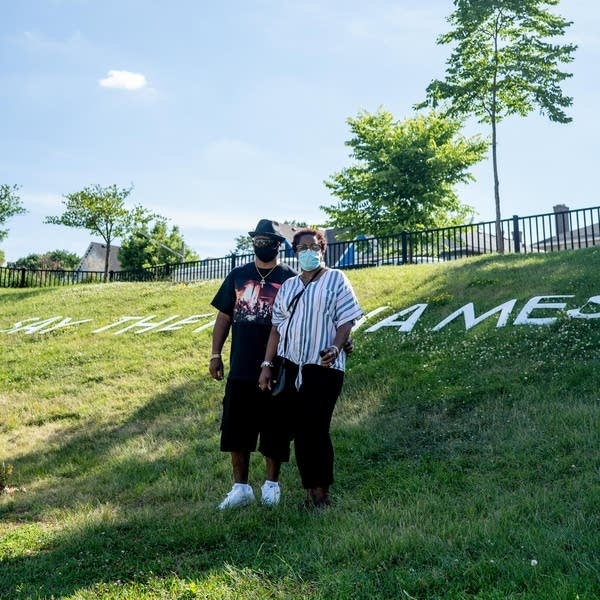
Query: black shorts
249	413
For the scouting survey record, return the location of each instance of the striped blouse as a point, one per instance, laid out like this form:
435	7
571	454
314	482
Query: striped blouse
328	303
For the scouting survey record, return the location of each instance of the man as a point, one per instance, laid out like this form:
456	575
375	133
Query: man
244	301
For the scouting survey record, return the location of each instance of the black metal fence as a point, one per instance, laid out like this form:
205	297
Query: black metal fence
20	277
209	268
548	232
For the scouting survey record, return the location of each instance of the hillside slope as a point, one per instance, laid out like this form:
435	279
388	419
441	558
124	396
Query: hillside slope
467	454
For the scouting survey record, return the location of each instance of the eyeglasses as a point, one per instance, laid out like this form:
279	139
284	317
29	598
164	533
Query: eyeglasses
263	242
313	247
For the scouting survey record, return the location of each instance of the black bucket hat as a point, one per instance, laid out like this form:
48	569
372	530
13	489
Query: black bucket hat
269	228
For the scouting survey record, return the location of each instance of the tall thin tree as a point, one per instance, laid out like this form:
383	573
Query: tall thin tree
505	61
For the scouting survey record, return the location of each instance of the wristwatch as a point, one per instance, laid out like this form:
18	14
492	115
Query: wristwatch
266	363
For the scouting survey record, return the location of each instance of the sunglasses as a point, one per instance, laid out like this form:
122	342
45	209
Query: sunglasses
263	242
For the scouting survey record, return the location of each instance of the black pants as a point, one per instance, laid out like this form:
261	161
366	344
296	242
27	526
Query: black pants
311	408
249	413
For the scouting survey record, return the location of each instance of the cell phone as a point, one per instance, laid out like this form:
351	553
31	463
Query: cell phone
323	353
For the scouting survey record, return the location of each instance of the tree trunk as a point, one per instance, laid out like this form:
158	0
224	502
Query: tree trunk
494	106
106	260
499	232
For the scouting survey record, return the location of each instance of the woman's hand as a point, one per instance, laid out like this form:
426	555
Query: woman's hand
329	355
266	378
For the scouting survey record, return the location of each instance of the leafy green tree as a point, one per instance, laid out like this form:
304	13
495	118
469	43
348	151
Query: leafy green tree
63	259
31	261
404	174
56	259
505	62
10	205
149	247
102	211
243	245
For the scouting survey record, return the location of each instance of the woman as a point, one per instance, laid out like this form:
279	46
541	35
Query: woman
312	317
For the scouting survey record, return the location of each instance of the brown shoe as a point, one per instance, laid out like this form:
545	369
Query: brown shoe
320	497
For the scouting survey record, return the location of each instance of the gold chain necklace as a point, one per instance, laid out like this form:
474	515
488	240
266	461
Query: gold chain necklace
263	277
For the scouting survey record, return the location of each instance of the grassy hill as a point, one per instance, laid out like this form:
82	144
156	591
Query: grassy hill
467	461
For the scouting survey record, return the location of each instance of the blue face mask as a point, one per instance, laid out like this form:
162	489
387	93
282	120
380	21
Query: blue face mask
309	259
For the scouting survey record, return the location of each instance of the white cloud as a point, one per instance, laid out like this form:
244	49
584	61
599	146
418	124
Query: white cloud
124	80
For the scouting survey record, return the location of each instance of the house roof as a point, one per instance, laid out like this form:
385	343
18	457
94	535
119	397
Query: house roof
477	242
95	255
287	231
575	238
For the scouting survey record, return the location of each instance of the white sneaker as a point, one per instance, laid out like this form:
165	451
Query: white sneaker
271	493
241	494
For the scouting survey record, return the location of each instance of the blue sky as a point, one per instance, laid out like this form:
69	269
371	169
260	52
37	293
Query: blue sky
221	114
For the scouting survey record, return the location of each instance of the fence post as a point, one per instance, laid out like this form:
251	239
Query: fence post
22	282
404	238
516	234
233	261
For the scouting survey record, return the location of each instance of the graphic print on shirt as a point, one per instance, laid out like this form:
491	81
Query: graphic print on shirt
254	303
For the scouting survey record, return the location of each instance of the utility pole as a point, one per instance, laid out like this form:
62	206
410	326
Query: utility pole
181	254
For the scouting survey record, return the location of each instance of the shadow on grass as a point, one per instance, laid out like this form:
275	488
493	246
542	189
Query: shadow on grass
108	471
403	471
81	455
158	541
131	501
12	295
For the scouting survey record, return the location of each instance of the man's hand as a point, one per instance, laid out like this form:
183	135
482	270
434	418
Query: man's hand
348	347
266	378
216	368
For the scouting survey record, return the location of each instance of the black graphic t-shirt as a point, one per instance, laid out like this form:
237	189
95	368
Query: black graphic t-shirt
249	304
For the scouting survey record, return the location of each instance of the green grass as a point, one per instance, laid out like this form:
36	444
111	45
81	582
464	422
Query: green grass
467	462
